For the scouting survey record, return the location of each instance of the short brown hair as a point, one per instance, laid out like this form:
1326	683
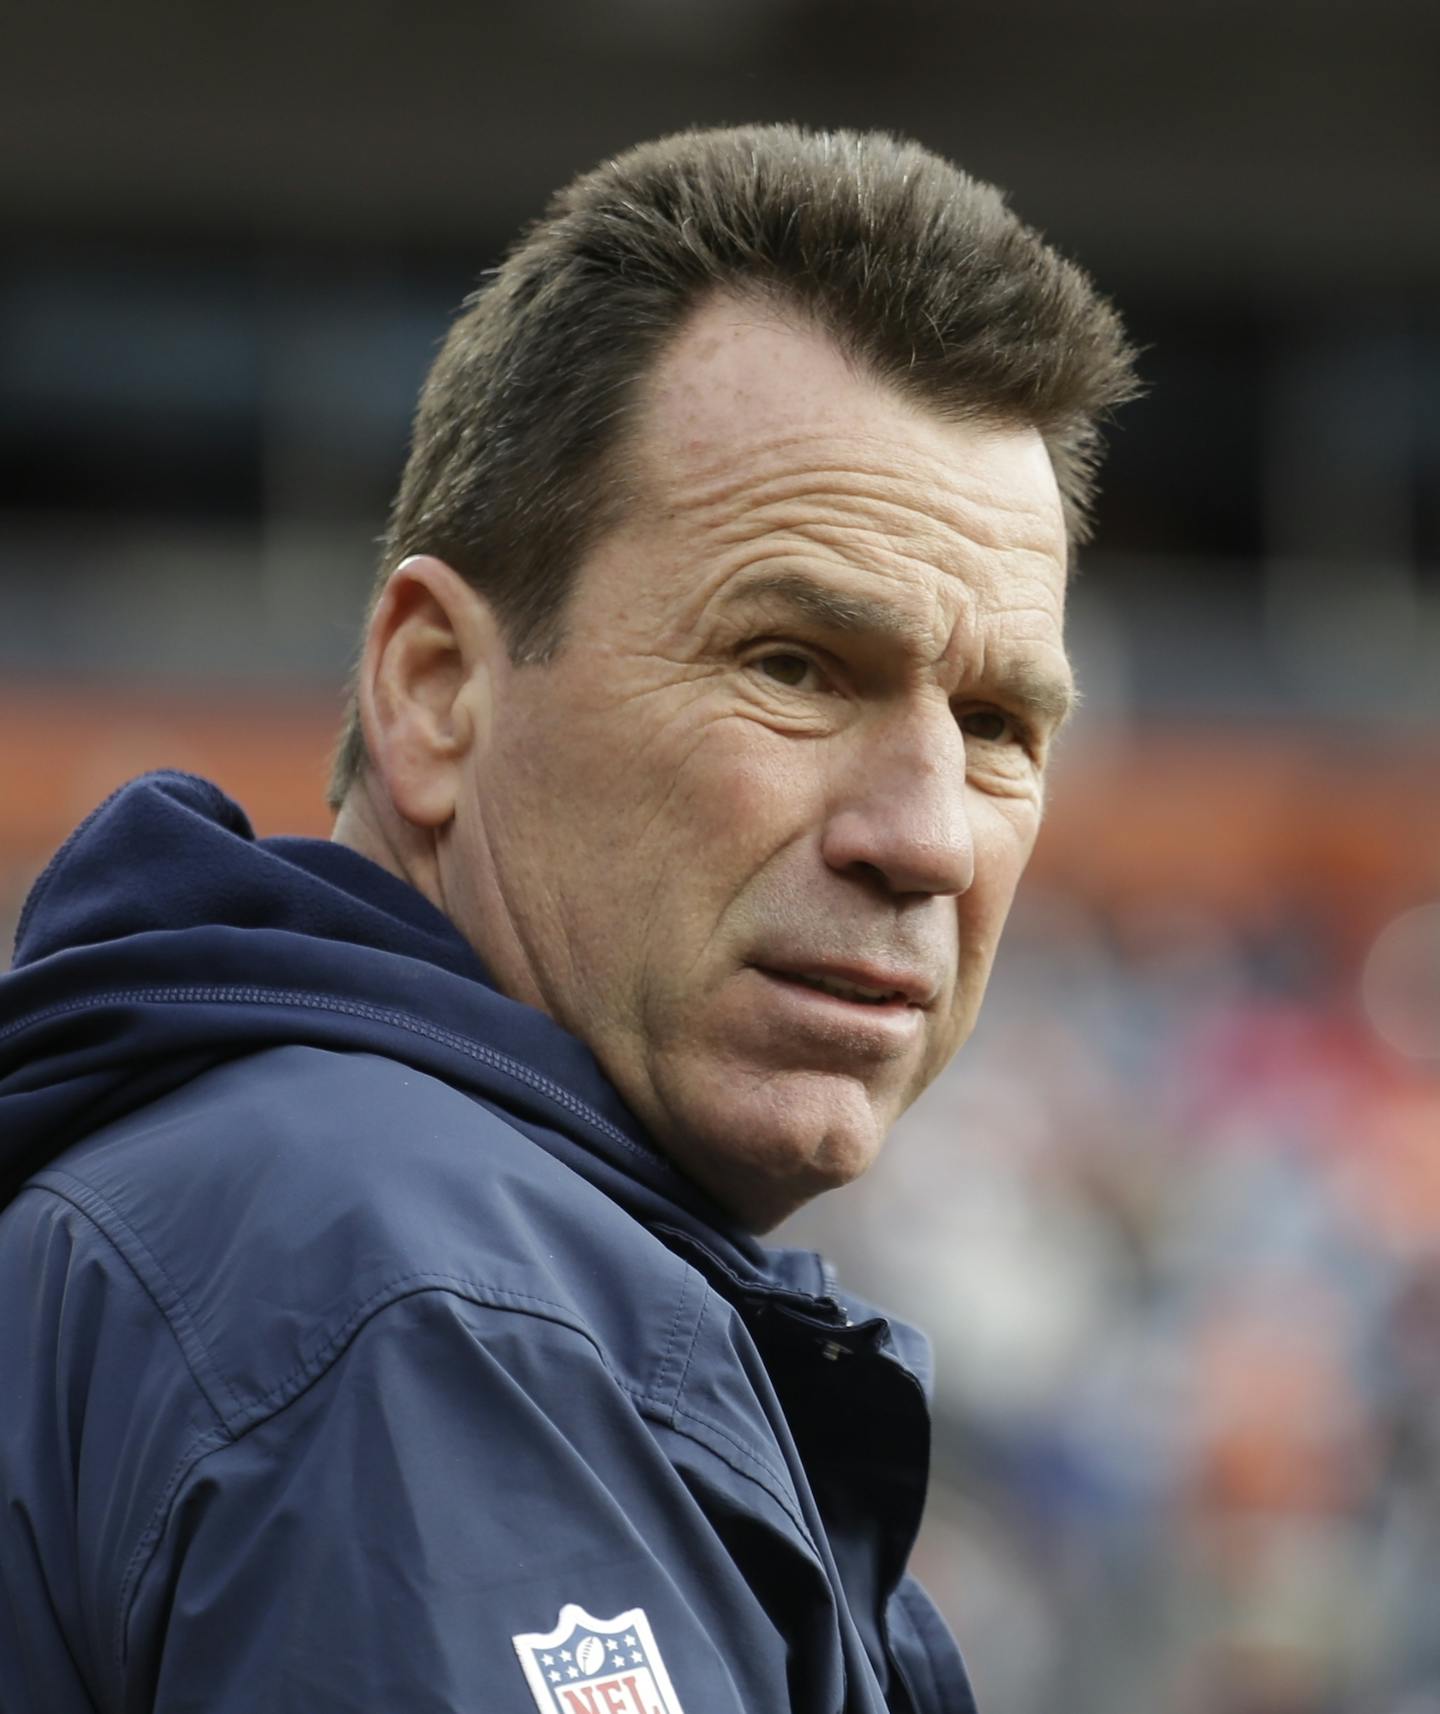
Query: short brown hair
920	273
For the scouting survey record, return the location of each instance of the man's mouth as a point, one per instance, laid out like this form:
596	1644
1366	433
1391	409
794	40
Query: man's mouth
860	984
843	990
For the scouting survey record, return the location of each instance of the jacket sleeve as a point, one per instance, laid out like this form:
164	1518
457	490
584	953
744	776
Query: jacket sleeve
457	1476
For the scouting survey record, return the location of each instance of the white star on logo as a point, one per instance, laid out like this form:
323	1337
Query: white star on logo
637	1657
573	1671
564	1654
630	1641
548	1659
554	1677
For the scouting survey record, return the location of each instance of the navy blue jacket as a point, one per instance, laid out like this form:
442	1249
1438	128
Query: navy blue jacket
359	1353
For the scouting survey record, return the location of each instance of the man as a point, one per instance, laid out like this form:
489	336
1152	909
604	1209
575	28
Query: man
383	1297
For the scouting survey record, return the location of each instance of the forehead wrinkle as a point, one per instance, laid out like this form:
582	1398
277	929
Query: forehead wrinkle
858	543
742	498
872	535
919	599
969	589
868	547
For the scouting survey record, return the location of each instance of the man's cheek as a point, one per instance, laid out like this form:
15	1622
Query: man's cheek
744	780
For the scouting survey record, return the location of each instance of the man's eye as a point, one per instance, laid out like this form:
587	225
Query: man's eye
787	669
990	726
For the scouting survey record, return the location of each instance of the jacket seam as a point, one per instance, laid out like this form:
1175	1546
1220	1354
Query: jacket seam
775	1474
662	1367
694	1341
739	1458
458	1285
240	995
776	1483
671	1410
212	1439
101	1214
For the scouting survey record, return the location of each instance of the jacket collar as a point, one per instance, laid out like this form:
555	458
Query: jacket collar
164	937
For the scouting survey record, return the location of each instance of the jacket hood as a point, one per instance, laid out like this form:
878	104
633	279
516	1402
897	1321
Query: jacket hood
165	937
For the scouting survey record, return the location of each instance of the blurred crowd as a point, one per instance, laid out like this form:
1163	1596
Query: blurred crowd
1173	1222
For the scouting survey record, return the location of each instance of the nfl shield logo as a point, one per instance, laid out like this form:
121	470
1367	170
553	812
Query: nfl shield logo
597	1666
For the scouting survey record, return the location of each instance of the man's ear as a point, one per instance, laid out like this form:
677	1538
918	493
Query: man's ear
432	648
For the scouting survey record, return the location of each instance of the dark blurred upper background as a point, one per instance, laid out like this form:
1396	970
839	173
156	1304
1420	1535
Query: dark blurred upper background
1186	1283
232	234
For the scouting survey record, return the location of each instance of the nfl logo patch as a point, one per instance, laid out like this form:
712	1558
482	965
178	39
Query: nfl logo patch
597	1666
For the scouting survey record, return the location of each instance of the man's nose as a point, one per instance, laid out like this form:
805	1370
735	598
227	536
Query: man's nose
900	812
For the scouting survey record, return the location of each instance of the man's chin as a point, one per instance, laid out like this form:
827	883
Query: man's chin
763	1146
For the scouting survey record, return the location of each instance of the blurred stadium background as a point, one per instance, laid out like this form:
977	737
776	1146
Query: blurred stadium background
1174	1217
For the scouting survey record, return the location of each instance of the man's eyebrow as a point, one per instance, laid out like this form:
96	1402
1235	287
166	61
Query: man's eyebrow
1047	697
833	608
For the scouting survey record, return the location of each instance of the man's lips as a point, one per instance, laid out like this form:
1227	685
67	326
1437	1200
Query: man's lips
875	986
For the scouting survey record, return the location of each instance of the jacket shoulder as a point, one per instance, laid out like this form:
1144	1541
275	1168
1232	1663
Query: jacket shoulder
278	1201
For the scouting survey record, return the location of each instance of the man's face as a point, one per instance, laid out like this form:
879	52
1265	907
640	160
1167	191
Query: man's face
753	832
